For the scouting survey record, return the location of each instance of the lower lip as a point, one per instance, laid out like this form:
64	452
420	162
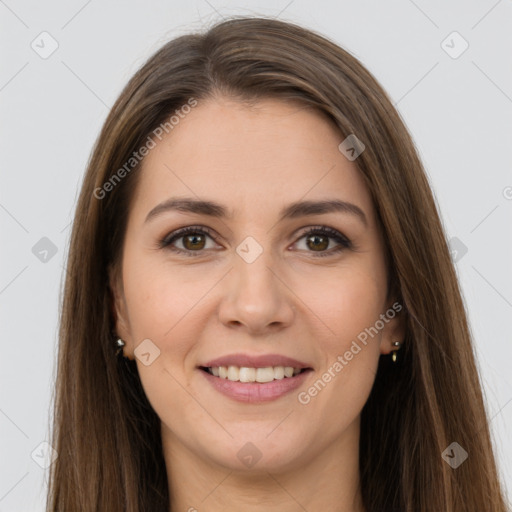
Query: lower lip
256	392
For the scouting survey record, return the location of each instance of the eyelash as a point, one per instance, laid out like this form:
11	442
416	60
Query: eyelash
344	242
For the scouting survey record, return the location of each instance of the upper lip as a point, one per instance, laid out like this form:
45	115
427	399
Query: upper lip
257	361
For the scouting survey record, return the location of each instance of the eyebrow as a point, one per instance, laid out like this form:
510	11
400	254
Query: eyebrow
292	211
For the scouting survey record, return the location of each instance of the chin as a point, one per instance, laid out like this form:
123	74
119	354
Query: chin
258	453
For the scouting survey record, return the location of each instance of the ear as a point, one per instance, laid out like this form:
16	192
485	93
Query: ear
118	309
394	329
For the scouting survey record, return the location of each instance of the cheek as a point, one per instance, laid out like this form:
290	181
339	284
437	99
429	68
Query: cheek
163	306
350	308
169	305
161	300
349	302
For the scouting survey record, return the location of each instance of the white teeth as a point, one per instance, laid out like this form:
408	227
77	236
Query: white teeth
233	372
279	372
245	374
288	371
265	374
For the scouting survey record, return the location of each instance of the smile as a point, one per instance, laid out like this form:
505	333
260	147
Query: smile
246	374
273	382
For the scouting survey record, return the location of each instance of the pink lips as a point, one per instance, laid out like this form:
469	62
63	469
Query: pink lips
255	392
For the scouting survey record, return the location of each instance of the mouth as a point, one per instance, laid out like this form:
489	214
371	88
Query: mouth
255	379
251	374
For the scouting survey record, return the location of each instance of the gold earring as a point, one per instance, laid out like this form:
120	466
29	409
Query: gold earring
394	354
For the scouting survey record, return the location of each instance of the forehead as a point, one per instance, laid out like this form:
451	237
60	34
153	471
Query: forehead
252	158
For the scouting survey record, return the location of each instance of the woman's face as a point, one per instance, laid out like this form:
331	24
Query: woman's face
247	287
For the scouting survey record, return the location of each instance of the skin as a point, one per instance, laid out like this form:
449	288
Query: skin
290	301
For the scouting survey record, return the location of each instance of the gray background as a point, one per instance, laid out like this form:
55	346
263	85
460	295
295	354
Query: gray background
457	109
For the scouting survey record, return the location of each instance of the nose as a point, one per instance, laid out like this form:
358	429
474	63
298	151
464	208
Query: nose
256	298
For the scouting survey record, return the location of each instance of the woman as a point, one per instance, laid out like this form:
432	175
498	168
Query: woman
260	311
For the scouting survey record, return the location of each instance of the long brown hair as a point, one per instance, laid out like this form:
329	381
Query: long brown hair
105	432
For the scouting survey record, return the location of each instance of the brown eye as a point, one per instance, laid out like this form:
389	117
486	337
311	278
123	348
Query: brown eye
318	239
194	241
319	242
191	241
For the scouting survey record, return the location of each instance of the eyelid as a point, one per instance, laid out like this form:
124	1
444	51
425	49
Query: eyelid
167	241
343	241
